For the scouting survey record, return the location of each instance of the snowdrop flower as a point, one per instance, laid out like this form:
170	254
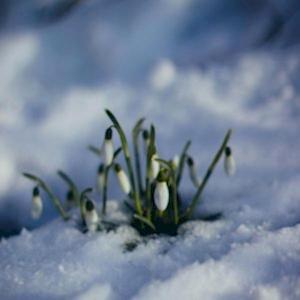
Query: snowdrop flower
107	150
91	216
146	139
37	204
193	174
100	178
229	162
161	192
175	161
122	179
154	167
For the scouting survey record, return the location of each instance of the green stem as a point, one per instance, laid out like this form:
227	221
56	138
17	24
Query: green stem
135	134
181	162
150	152
54	199
145	220
137	202
94	150
104	191
208	173
71	185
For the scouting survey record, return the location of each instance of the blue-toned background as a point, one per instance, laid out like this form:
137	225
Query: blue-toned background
195	68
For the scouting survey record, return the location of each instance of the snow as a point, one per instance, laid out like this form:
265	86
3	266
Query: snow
195	69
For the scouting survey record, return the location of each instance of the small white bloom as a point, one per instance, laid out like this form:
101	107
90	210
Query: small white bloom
154	167
107	152
146	140
122	179
229	162
192	171
175	161
91	216
100	178
161	195
37	204
107	149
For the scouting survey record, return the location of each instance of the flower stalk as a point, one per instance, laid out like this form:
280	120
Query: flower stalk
182	162
71	184
208	173
151	150
135	134
124	143
55	201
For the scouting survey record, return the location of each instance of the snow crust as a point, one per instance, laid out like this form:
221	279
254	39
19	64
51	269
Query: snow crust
194	69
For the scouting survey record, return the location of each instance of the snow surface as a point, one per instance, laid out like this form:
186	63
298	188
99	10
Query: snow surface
194	68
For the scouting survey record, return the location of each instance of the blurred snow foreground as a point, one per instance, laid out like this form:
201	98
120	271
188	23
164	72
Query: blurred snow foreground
194	68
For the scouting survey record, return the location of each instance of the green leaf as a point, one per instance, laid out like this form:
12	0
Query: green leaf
117	152
120	131
135	133
181	162
145	220
137	128
94	150
150	152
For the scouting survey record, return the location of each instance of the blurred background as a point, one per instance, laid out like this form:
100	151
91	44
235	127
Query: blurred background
194	67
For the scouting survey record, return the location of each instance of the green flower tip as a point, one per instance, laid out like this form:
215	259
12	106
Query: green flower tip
190	161
108	133
117	168
162	175
145	134
35	191
101	169
70	195
228	151
89	205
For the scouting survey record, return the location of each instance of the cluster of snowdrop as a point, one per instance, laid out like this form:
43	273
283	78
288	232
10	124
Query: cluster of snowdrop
150	183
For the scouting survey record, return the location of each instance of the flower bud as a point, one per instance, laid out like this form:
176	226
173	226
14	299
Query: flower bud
37	204
107	150
154	167
175	162
229	162
100	178
122	179
192	171
161	193
91	216
146	139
